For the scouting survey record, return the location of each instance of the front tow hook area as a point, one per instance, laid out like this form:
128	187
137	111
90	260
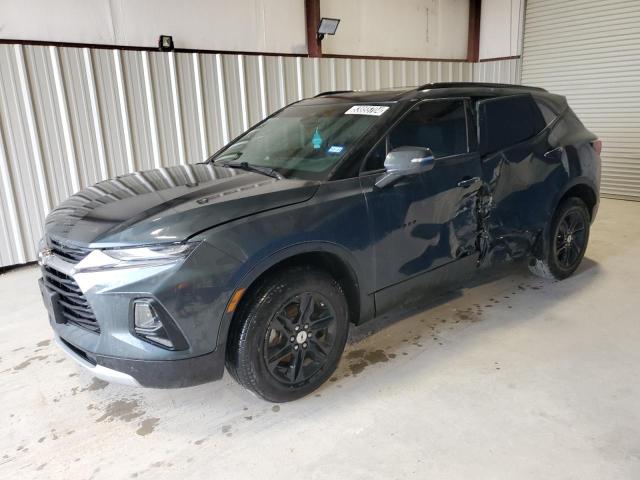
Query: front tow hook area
103	373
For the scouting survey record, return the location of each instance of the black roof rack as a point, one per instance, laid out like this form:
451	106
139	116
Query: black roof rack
428	86
332	92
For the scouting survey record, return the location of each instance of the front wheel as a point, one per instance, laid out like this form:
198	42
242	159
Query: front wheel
569	236
290	334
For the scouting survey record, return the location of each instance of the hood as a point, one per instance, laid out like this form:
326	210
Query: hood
168	204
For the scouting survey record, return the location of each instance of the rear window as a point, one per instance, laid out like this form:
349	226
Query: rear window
506	121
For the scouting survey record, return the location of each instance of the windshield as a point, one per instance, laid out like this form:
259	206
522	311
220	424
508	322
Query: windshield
303	141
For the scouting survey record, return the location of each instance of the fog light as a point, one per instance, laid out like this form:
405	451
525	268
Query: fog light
146	319
147	324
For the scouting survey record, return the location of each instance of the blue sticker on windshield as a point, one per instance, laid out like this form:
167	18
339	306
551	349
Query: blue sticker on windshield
316	140
335	149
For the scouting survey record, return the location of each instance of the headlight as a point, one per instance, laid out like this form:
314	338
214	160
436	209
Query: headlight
146	256
151	252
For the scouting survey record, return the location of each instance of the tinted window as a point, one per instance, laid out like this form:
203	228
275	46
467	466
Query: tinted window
548	113
436	124
506	121
375	160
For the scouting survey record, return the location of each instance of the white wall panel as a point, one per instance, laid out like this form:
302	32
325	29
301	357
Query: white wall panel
70	117
420	28
588	51
501	23
241	25
498	71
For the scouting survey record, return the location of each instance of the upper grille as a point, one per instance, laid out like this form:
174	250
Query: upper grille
73	305
68	252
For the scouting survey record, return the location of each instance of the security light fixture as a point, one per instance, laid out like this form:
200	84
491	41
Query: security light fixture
328	26
165	43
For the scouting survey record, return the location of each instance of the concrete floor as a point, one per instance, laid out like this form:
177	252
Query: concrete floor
516	378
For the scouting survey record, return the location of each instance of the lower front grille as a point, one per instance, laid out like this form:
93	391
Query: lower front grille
81	353
73	304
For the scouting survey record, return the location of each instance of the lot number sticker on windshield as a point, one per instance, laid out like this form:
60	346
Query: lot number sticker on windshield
375	110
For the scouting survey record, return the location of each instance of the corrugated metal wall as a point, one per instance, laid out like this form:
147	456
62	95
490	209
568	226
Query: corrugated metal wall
70	117
497	71
588	51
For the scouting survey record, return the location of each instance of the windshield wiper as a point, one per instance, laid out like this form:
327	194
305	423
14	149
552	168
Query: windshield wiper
270	172
224	158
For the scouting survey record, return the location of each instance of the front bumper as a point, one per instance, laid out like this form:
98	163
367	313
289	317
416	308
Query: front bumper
99	371
148	373
192	298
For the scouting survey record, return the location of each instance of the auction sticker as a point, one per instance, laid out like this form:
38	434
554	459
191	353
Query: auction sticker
374	110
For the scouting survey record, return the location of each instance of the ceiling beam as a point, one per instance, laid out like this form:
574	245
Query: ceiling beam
473	41
312	14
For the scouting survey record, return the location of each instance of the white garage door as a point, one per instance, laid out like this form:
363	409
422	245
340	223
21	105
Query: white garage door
589	50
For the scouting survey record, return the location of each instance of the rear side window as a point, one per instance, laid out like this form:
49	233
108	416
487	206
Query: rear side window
440	125
505	121
548	112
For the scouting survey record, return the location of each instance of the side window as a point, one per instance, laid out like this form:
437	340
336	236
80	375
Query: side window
548	112
375	160
505	121
436	124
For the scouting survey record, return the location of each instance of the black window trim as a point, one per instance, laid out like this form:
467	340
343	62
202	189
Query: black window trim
466	106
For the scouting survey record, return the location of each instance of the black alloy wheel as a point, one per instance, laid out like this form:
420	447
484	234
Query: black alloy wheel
299	337
568	239
288	334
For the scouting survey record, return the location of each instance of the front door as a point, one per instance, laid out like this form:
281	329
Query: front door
424	226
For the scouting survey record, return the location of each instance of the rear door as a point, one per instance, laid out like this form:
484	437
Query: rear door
424	227
522	170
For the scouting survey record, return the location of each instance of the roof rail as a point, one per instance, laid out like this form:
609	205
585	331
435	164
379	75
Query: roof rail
332	92
428	86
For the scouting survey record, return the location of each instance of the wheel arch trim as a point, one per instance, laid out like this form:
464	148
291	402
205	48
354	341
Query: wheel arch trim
258	269
543	246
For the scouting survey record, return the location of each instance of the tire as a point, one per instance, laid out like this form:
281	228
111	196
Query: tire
568	240
289	335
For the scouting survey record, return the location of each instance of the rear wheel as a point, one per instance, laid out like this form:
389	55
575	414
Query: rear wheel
569	236
290	334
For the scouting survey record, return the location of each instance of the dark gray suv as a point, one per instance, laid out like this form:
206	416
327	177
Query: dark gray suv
332	211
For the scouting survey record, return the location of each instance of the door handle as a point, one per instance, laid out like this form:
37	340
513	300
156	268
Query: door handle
467	182
554	154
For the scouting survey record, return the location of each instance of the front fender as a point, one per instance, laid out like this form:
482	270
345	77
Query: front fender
251	271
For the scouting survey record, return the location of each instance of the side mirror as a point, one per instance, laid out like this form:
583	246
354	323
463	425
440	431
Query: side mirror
403	161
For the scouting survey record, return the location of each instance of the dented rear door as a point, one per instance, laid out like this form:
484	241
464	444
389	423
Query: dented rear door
522	173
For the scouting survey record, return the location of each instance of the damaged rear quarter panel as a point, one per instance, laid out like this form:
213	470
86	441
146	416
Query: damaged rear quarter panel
523	185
